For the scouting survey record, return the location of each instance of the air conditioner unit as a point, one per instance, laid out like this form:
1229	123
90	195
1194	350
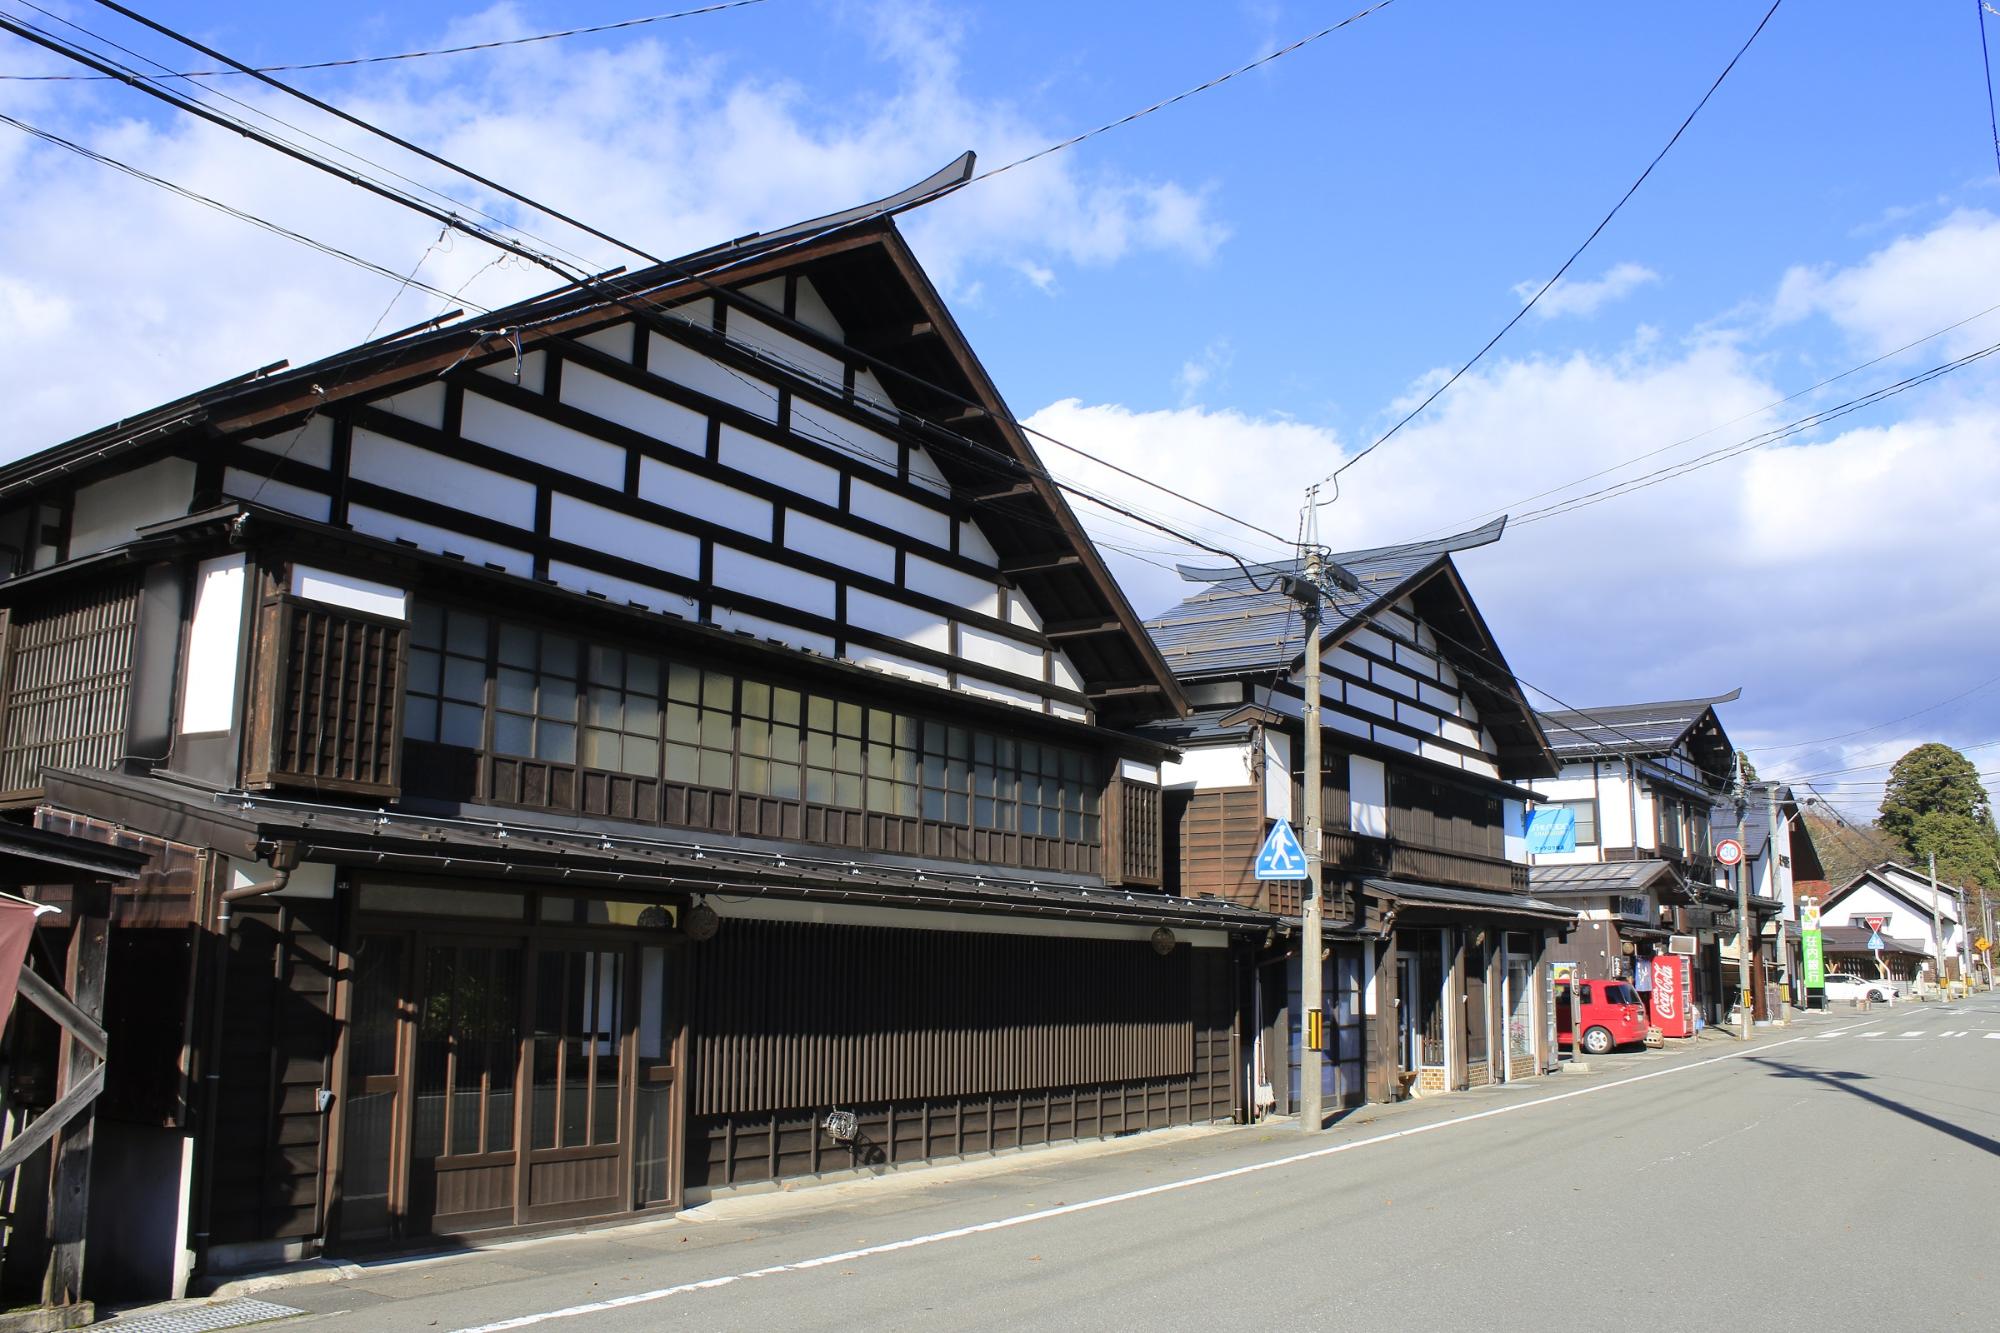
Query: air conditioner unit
1681	944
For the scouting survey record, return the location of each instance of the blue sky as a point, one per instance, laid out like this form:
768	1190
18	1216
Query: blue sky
1236	292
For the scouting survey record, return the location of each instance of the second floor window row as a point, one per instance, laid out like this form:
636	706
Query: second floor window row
556	698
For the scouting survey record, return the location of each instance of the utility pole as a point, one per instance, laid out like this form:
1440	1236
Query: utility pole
1771	852
1311	1001
1937	926
1304	582
1743	897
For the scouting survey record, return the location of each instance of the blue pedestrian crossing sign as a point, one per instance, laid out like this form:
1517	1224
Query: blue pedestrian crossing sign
1281	856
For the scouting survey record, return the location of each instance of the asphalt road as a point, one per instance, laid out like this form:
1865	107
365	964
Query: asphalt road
1845	1170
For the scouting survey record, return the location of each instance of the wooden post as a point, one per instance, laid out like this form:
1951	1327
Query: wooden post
69	1205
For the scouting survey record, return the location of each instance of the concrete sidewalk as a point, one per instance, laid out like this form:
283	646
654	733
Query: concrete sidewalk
905	1196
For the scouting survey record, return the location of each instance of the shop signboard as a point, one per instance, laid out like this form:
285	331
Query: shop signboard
1812	952
1673	995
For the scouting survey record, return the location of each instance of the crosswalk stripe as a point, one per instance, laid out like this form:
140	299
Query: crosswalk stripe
1914	1032
1993	1036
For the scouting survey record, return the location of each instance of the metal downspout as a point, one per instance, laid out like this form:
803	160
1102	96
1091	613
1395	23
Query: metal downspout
284	859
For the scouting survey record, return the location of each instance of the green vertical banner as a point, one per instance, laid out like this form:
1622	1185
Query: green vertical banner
1815	959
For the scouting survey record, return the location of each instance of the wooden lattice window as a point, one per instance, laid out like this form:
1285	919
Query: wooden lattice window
332	697
1136	844
68	682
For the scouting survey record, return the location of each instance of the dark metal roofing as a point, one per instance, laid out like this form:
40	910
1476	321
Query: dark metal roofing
43	856
241	824
1485	900
1233	626
1854	939
1624	729
1600	876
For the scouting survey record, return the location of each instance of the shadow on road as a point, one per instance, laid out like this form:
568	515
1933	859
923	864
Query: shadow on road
1848	1080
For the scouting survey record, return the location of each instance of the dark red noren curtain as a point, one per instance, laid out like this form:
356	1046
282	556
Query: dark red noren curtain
17	927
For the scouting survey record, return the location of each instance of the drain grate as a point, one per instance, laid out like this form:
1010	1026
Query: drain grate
191	1318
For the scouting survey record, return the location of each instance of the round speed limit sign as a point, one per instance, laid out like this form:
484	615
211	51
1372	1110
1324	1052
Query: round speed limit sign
1729	851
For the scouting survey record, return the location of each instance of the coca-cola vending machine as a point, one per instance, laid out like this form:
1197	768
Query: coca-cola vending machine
1673	995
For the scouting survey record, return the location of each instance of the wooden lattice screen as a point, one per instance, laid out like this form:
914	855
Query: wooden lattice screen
1135	849
68	681
332	699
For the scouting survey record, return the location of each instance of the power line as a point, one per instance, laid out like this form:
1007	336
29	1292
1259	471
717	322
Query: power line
1520	314
1757	441
1986	61
1515	505
241	215
1886	763
1932	708
1164	103
631	248
127	73
407	55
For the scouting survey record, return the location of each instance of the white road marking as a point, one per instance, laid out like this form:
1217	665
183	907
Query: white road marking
1825	1036
1993	1036
1105	1201
1913	1032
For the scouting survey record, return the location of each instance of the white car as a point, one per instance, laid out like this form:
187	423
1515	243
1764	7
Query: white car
1847	986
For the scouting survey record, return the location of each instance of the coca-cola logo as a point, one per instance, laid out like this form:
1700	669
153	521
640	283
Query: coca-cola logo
1666	982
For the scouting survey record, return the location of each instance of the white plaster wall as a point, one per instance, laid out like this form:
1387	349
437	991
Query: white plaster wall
540	440
988	649
530	370
796	355
897	666
312	443
1277	774
925	629
423	404
1132	770
816	537
895	512
1368	796
617	590
441	541
336	589
761	458
240	485
683	365
1227	764
448	481
948	585
109	513
844	437
635	409
728	618
684	491
595	528
208	698
773	582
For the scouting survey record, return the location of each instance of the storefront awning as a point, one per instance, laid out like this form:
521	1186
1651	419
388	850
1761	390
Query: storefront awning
1469	902
606	853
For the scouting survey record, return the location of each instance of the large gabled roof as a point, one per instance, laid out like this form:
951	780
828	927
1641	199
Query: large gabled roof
890	313
1907	886
1246	622
1246	625
1628	730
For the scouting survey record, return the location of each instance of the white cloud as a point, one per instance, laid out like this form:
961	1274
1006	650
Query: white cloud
1197	374
650	138
1574	297
1914	286
1842	578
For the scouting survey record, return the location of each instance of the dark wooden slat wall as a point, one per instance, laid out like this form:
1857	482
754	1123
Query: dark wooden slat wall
277	1043
68	677
1221	829
942	1043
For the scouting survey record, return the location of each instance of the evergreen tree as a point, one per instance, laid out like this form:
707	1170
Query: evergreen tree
1935	803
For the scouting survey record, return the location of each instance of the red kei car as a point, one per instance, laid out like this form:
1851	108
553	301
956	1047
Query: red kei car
1611	1012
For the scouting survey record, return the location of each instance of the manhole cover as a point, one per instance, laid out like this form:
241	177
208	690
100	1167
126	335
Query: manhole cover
200	1318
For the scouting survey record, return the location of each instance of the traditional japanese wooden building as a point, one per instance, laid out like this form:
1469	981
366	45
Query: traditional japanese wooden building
666	735
1433	978
1640	785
